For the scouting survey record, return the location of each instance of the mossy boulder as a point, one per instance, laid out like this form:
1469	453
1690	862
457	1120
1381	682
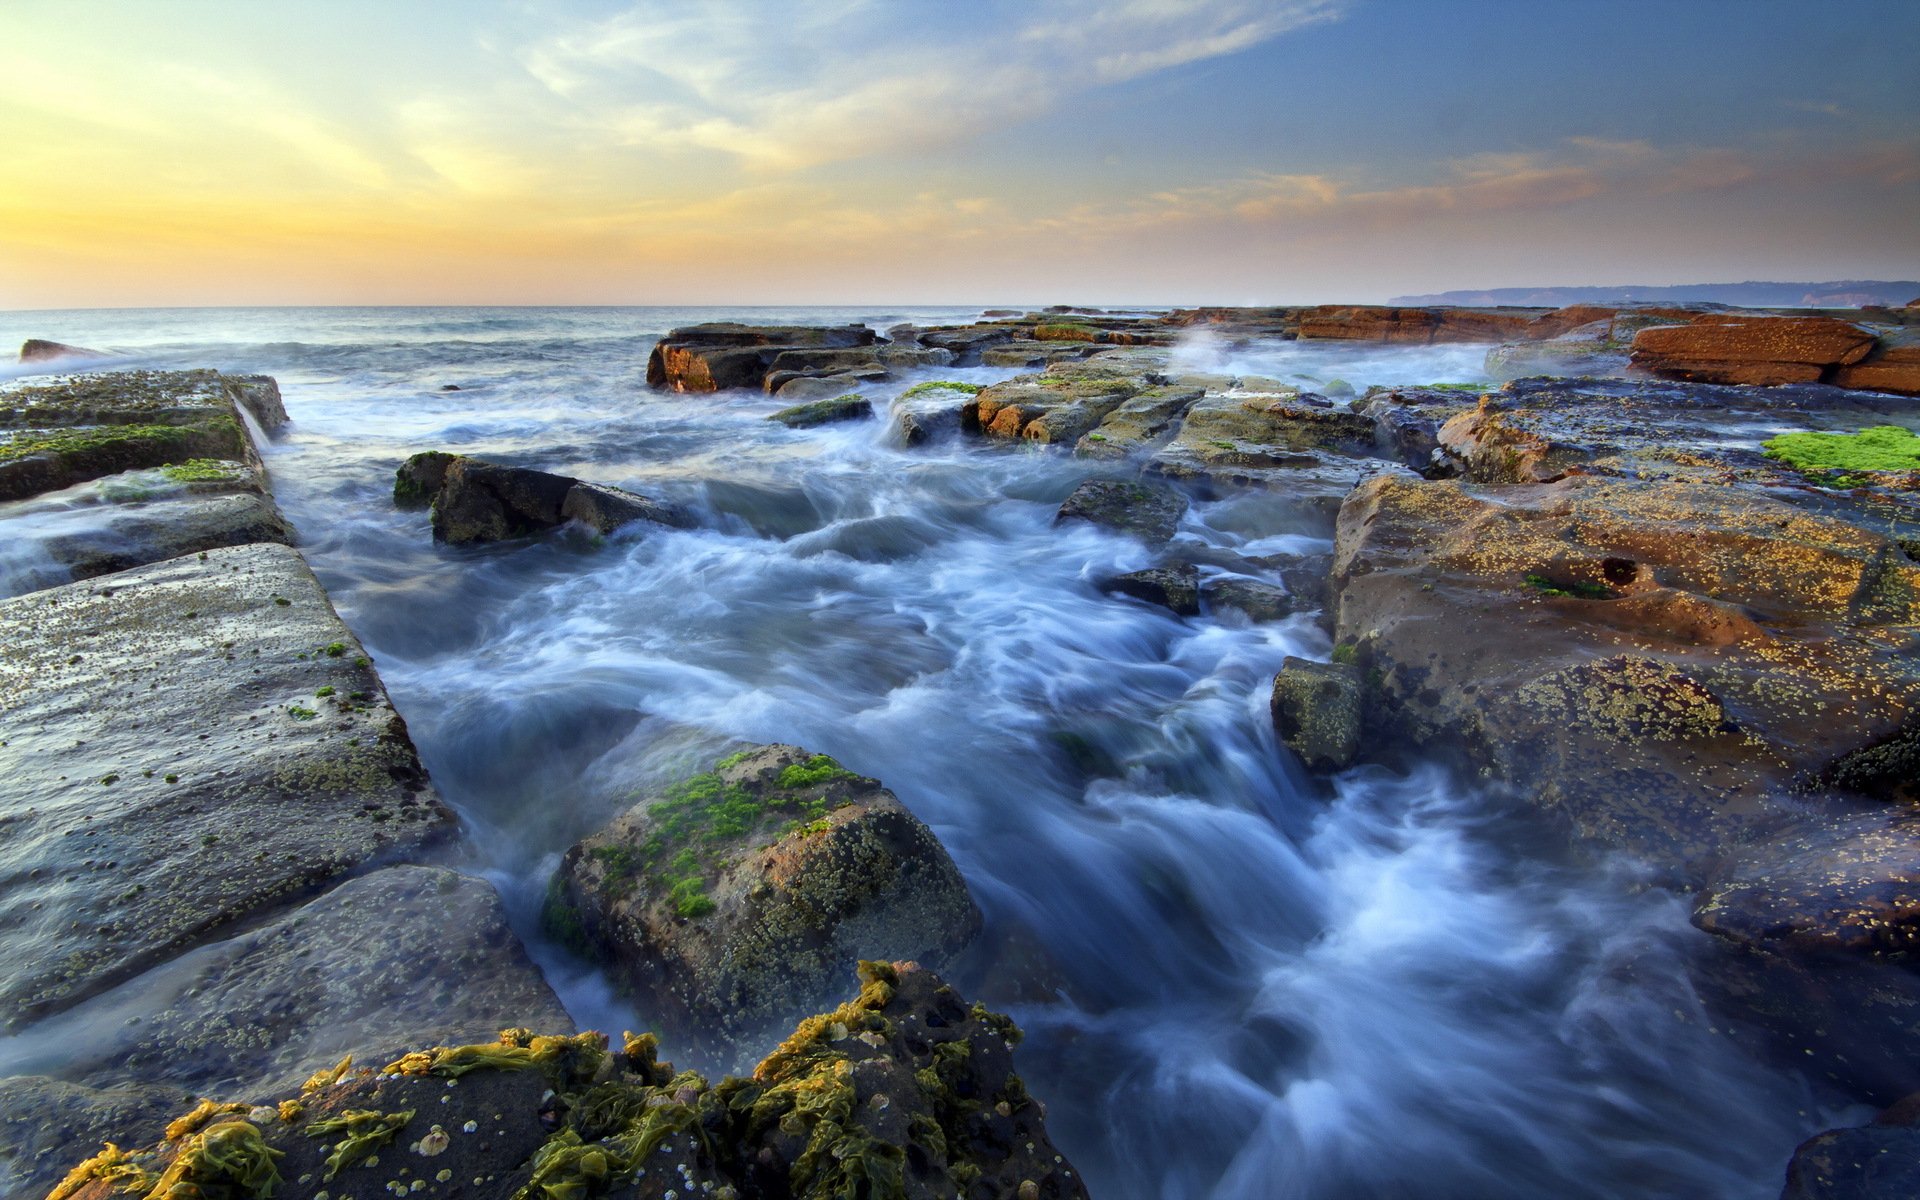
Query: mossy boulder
740	897
825	412
1317	711
172	773
1148	511
930	411
1175	587
905	1091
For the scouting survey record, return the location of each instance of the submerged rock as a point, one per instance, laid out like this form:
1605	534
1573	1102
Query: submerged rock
740	897
825	412
1259	601
1149	511
1176	587
477	501
904	1091
35	350
1317	711
186	746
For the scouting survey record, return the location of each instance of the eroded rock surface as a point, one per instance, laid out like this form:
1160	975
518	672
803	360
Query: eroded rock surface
186	745
742	896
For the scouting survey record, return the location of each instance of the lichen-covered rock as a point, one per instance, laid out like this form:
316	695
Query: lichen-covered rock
1055	407
1149	511
477	501
404	956
186	745
904	1091
1317	711
1141	423
825	412
1175	587
1271	436
741	897
1729	348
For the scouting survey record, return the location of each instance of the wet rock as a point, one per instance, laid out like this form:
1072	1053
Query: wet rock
741	897
134	535
966	342
1141	423
406	956
1268	437
77	428
50	1124
1588	351
1259	601
1419	326
1727	348
904	1091
1880	1161
706	358
477	501
1663	663
1490	449
1317	711
1150	512
801	388
825	412
1176	587
1057	406
928	412
259	395
187	745
908	357
35	350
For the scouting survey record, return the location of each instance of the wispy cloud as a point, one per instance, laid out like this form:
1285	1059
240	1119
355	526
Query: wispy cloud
852	80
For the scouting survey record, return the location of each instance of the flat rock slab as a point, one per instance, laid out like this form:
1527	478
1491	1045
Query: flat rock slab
186	745
402	957
48	549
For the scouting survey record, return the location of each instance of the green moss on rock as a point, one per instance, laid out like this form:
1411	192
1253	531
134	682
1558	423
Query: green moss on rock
1879	448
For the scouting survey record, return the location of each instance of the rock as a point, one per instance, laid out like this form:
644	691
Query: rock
1150	512
927	412
477	501
1663	663
259	395
1491	450
35	350
825	412
51	1124
405	956
1880	1161
112	538
1893	365
1588	351
83	427
187	745
966	342
907	357
1270	439
1176	587
739	898
706	358
1725	348
803	388
1141	423
1057	406
824	361
1317	710
911	1092
1259	601
1359	322
418	480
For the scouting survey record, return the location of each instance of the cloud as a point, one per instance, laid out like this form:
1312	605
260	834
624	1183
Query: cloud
856	79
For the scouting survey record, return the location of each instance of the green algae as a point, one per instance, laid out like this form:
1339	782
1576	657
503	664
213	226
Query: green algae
112	1166
940	385
1576	589
364	1130
1879	448
1066	332
816	770
204	470
230	1161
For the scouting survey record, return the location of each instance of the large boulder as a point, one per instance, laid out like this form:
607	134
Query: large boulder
187	746
1728	348
712	357
404	956
1893	365
740	897
904	1091
477	501
849	407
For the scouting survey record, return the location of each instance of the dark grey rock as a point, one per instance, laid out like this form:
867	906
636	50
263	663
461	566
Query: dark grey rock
1148	511
1317	711
1174	587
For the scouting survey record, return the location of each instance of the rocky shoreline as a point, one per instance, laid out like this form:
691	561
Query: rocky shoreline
1598	594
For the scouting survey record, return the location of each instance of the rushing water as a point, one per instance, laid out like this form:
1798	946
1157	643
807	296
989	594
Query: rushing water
1266	987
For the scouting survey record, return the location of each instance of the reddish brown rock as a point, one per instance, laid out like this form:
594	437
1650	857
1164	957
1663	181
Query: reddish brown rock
1728	348
1892	366
1370	323
1561	320
707	358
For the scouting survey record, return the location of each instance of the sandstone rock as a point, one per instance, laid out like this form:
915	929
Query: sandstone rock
1358	322
402	957
927	412
966	342
1053	407
1259	601
706	358
186	746
906	357
740	897
1317	712
1176	587
1141	423
1150	512
1270	439
904	1091
806	388
1724	348
1893	365
476	501
825	412
35	350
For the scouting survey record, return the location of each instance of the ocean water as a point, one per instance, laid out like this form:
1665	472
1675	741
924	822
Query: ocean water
1263	985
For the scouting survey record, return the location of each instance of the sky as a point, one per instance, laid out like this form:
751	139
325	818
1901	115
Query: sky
205	152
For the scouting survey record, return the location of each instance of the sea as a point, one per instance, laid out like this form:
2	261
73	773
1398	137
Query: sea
1260	983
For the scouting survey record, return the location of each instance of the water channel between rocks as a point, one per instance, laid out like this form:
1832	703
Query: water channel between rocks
1270	988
